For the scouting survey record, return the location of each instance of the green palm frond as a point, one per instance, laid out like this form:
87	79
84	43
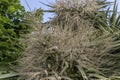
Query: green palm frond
118	21
7	74
111	19
114	15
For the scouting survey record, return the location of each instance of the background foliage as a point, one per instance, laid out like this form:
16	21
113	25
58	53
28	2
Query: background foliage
14	25
11	28
12	31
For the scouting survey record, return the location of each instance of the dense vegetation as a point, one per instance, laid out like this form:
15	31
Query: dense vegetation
13	28
82	42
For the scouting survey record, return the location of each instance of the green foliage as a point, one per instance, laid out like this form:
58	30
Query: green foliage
11	28
7	74
39	14
109	20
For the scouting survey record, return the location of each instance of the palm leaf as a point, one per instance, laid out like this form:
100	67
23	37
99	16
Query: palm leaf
114	15
118	21
98	76
7	75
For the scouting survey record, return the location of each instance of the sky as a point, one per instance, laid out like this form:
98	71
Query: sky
35	4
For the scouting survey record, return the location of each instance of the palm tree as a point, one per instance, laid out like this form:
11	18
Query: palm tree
87	41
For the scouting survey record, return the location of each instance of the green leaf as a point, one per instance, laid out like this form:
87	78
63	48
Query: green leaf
6	1
115	77
7	75
4	44
98	76
11	9
114	15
